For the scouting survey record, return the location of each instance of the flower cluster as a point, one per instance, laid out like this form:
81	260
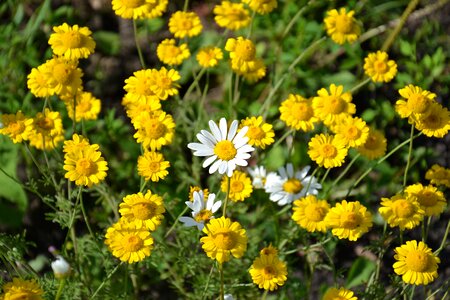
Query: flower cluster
22	289
267	270
243	60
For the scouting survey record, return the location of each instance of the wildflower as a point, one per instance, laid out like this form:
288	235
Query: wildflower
156	9
47	130
193	189
139	85
401	210
72	42
268	272
129	241
438	175
202	210
230	15
269	250
171	54
143	210
328	106
341	26
224	238
262	6
242	54
430	199
135	108
260	133
154	130
60	267
240	186
39	81
152	166
416	263
139	9
379	68
297	113
209	57
436	123
226	147
87	107
375	145
309	213
77	143
164	83
349	220
64	77
255	73
259	176
185	24
353	131
22	289
415	102
339	294
290	185
327	151
16	126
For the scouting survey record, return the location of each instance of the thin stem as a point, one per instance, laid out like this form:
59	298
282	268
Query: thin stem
106	279
207	282
294	19
186	5
224	213
221	282
325	176
408	161
85	215
264	295
141	58
176	222
343	173
62	283
281	139
251	25
444	239
359	85
194	83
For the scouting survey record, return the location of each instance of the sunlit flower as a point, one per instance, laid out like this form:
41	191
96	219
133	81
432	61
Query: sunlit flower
230	15
401	211
152	166
135	108
339	294
260	133
240	186
72	42
156	8
185	24
139	9
375	145
309	213
193	189
242	54
87	107
47	130
39	81
21	289
430	199
202	210
17	126
268	272
436	122
415	102
438	175
253	74
297	113
379	68
64	77
77	143
163	83
269	250
209	57
154	130
144	210
262	6
352	130
171	54
333	104
327	151
341	26
258	175
138	86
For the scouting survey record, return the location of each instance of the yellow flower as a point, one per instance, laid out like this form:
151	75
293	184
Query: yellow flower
375	145
353	131
262	6
152	166
171	54
297	113
327	151
349	220
39	81
139	9
16	126
128	241
193	189
64	78
378	67
268	272
242	54
185	24
156	9
339	294
309	213
254	74
138	86
430	199
269	250
416	263
47	130
232	16
77	143
401	210
328	106
21	289
163	83
260	133
438	175
342	26
72	42
436	122
87	107
240	186
415	102
209	57
135	108
224	238
154	130
143	210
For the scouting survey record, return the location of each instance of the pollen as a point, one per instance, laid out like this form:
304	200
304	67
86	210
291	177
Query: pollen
132	243
225	240
403	208
225	150
417	261
292	186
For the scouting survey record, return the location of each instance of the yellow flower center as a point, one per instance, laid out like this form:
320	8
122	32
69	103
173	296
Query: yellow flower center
154	166
16	127
186	24
132	3
85	167
292	186
236	15
428	198
335	105
172	51
245	50
84	106
225	150
203	215
143	211
71	39
372	143
315	212
142	87
380	67
225	240
255	133
350	219
132	243
352	132
403	208
328	151
236	186
301	111
343	24
61	72
433	121
45	123
417	103
154	129
268	272
164	82
417	261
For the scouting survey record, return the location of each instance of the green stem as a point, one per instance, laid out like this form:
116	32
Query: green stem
444	240
264	295
186	5
194	83
325	176
176	222
343	173
85	215
408	161
207	282
221	281
251	25
285	135
106	280
62	283
141	58
359	85
224	213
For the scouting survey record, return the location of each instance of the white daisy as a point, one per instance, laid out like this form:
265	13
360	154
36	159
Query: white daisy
259	176
288	186
226	148
202	211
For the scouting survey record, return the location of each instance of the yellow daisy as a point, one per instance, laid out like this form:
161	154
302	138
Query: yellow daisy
297	113
436	122
133	9
269	250
438	175
430	199
242	54
22	289
64	77
333	104
327	151
341	26
253	74
16	126
415	102
143	210
224	238
77	143
416	263
232	16
349	220
156	8
39	81
262	6
87	107
72	42
352	130
47	130
135	108
138	86
339	294
309	213
152	166
154	130
171	54
378	67
240	186
163	83
375	145
193	189
260	133
268	272
209	57
185	24
401	211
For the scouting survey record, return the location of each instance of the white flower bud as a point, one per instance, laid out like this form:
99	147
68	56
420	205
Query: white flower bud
61	267
228	297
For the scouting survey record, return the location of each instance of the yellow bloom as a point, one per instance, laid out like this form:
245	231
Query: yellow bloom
378	67
154	130
328	106
152	166
139	9
64	78
128	241
327	151
415	102
72	42
47	130
254	74
375	145
138	86
21	289
262	6
224	238
430	199
87	107
242	54
436	122
349	220
185	24
209	57
135	108
232	16
156	9
339	294
193	189
269	250
260	133
309	213
342	26
16	126
352	130
163	83
171	54
143	210
416	263
268	272
240	186
438	175
39	81
297	113
401	210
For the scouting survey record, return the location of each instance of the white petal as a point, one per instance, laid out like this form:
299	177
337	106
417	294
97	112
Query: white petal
232	164
240	162
207	152
241	134
302	173
204	140
216	206
197	146
230	172
197	205
188	222
223	128
214	166
223	167
232	131
244	155
215	130
245	148
290	170
190	204
282	172
209	136
209	161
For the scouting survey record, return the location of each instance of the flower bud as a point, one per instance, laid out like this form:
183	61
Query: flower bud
61	267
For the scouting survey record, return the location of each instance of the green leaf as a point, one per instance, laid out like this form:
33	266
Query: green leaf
108	42
359	272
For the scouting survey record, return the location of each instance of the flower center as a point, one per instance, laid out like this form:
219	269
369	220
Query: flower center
203	215
186	24
72	39
155	129
245	50
328	151
17	127
225	150
85	167
371	143
143	87
403	208
315	213
143	211
292	186
164	82
225	240
236	186
236	15
61	72
343	24
132	3
255	133
335	105
302	111
173	51
433	121
84	106
352	133
417	261
45	123
153	166
417	103
380	67
268	272
428	199
350	220
132	243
